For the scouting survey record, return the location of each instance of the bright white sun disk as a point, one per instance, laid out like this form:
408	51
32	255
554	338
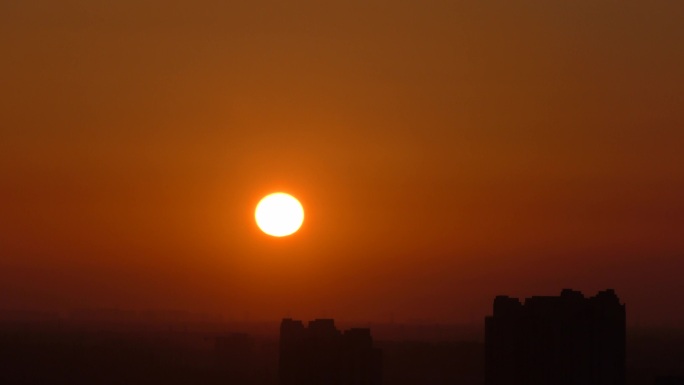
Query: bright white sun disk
279	214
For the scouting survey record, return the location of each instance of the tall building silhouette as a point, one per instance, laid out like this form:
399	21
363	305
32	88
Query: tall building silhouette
564	340
320	354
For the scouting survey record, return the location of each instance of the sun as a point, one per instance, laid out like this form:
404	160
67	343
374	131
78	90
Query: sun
279	214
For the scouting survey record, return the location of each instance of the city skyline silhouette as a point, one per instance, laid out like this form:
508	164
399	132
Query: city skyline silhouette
566	339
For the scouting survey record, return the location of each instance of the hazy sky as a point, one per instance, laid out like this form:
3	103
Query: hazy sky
444	151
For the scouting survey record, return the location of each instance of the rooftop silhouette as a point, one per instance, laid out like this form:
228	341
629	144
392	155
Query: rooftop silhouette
563	340
321	354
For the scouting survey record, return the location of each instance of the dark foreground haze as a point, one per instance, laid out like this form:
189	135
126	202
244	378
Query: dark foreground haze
67	352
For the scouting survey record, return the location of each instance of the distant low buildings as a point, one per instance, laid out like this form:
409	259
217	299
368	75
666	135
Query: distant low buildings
563	340
320	354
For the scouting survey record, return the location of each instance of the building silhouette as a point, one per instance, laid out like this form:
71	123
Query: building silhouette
563	340
669	380
320	354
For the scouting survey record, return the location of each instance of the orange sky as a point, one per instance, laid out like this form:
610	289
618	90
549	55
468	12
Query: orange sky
444	151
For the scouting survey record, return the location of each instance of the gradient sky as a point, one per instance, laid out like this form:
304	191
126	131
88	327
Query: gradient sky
444	151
